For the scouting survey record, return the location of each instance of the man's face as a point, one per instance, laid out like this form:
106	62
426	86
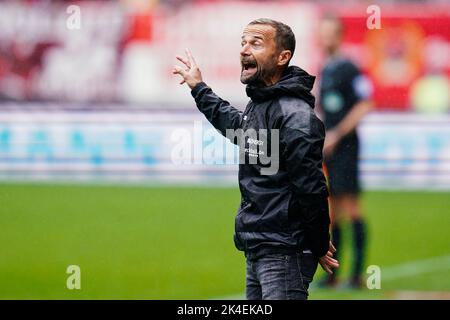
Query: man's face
258	54
329	35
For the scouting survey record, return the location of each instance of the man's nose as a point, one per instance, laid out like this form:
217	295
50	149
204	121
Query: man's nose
245	50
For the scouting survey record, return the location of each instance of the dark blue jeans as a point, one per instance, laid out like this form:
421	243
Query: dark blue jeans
280	276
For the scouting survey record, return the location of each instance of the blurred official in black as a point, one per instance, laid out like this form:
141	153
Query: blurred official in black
345	97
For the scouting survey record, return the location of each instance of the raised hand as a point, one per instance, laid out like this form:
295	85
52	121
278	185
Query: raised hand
190	73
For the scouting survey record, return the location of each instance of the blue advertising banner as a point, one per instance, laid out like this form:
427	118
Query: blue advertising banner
407	151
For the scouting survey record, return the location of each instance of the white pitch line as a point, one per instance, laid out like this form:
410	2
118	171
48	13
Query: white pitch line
415	268
403	270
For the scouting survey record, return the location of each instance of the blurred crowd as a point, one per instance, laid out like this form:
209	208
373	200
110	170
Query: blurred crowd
122	50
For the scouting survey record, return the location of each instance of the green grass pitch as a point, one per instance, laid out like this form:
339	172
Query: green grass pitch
176	243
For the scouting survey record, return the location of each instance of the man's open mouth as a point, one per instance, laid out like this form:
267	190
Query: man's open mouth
248	68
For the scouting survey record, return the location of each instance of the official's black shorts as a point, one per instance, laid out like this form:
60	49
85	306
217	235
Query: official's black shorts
342	168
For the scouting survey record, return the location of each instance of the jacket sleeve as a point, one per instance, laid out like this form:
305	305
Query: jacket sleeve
316	221
302	136
216	110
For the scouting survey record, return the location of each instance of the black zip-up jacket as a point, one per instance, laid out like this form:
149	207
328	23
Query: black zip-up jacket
286	211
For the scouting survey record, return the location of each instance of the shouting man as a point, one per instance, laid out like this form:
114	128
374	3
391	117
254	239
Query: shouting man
282	224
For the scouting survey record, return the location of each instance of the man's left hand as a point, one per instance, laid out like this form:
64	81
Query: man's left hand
327	262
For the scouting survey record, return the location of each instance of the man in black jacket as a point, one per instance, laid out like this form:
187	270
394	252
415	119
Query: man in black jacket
282	224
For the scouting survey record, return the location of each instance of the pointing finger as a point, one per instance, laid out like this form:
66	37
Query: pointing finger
184	60
191	58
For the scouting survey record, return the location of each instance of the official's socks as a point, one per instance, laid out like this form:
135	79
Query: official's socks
359	244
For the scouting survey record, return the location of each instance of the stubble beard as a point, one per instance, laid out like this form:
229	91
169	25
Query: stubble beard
260	78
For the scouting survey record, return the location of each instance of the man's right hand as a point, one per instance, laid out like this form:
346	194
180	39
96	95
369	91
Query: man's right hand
191	73
327	262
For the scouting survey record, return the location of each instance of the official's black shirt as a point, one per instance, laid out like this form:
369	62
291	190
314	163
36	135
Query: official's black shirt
342	86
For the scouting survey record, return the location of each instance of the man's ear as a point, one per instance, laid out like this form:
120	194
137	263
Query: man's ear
284	57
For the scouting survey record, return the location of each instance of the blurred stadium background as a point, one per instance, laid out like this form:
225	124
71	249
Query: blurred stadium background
90	118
